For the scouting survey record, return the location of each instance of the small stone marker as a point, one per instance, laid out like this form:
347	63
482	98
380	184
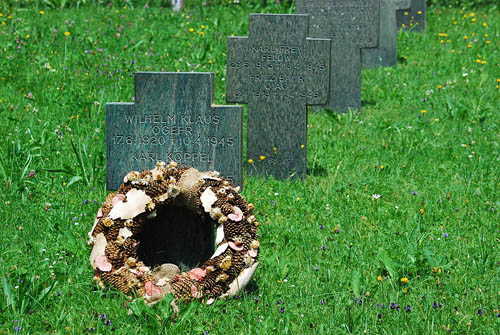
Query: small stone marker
277	71
173	119
351	25
386	54
413	19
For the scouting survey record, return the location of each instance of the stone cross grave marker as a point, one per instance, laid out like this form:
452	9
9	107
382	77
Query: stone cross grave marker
173	119
414	18
386	54
351	25
277	71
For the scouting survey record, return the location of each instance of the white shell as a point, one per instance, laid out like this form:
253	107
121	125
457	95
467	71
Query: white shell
135	205
91	238
220	234
208	198
207	177
162	282
98	250
220	250
125	232
241	281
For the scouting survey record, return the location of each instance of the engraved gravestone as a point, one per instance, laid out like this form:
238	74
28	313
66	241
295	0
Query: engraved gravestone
173	119
414	18
386	53
277	71
351	25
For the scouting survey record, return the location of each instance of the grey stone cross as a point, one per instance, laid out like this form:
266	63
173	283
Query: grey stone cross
277	71
386	54
351	25
173	118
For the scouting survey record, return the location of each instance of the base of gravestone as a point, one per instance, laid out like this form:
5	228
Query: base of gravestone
176	235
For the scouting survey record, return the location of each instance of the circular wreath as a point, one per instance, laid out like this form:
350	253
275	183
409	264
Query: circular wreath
126	213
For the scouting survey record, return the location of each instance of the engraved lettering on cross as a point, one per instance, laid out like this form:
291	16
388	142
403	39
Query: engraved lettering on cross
173	118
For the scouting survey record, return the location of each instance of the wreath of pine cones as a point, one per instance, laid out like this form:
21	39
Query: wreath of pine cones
125	213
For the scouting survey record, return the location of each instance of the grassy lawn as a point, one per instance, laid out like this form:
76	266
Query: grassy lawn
395	231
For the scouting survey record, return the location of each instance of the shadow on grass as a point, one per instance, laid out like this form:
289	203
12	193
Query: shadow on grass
317	171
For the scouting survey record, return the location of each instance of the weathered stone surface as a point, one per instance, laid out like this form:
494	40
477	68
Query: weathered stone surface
386	54
351	25
277	71
173	119
413	19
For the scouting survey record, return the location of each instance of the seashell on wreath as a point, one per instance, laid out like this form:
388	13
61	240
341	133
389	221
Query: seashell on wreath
136	220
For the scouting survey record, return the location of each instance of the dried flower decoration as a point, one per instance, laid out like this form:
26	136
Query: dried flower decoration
115	235
225	264
236	215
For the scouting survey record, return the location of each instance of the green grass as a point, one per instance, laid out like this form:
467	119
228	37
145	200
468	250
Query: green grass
324	242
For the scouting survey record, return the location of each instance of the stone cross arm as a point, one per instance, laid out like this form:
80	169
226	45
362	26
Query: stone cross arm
173	118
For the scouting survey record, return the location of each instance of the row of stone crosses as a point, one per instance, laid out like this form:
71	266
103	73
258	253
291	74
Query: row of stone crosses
286	63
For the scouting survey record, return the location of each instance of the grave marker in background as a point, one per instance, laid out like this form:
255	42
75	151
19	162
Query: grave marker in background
351	25
173	119
386	53
277	71
414	18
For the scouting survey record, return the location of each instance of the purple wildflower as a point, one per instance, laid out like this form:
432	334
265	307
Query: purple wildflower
480	312
415	192
316	268
379	315
321	226
282	310
323	247
17	329
445	235
408	308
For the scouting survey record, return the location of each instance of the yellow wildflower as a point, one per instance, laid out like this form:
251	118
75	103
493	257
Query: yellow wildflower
421	210
262	158
405	290
379	278
250	161
191	29
42	12
67	33
405	280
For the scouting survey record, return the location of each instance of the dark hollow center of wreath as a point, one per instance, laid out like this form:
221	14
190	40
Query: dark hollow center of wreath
176	235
